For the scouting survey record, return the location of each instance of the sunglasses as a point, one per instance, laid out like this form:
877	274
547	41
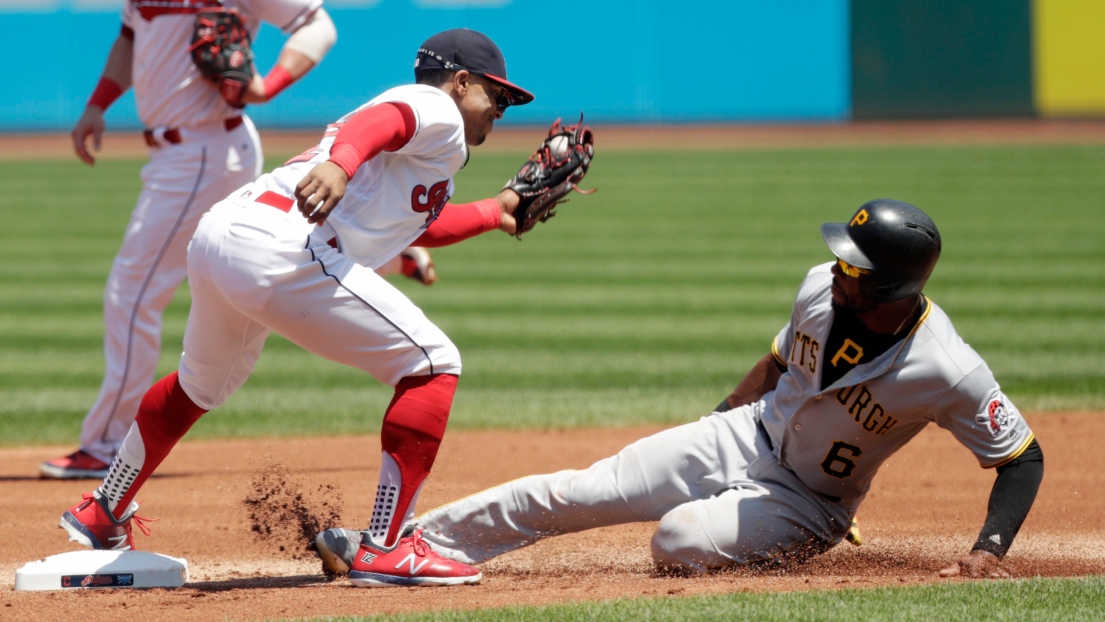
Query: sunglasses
504	99
851	270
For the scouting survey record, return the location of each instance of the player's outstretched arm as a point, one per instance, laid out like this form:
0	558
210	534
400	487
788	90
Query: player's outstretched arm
305	48
458	222
114	81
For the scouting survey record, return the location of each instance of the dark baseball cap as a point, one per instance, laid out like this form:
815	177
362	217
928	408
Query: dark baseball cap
461	48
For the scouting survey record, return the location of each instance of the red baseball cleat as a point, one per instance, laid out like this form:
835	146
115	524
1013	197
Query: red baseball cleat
410	563
77	465
91	524
417	264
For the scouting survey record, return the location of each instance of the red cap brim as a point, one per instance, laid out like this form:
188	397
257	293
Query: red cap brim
521	95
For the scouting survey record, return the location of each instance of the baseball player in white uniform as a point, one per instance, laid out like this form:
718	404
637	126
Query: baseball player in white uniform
865	362
295	251
201	148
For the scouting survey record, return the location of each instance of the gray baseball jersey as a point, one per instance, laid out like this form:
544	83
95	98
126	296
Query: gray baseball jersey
784	473
836	438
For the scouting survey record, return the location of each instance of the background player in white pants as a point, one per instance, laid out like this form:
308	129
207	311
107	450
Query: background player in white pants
201	149
378	181
781	467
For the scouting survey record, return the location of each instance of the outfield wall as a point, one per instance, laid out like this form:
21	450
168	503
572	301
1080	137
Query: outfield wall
638	61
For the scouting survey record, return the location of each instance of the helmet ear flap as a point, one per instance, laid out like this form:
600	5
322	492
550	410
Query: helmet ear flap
883	293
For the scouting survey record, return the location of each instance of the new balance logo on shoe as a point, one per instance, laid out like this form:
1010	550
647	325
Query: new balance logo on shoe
414	569
367	557
120	542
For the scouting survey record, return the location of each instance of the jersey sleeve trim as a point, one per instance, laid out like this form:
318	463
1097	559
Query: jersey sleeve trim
775	353
1013	456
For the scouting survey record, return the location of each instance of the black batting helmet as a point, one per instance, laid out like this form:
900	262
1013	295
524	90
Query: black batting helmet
896	242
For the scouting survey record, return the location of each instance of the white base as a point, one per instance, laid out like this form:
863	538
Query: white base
99	569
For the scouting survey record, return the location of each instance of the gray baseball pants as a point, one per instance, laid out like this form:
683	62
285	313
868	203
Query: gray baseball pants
719	493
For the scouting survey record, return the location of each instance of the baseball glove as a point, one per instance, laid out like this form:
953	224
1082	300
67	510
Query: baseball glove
551	173
221	51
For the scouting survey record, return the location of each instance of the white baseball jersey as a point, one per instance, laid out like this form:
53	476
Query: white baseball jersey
168	89
255	268
835	439
394	196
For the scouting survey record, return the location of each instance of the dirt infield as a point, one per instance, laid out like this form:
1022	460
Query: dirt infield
924	510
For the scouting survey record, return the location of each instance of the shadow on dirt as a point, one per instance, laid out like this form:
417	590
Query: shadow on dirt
258	583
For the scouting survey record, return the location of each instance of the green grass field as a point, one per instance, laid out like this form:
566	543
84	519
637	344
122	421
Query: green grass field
1040	600
643	303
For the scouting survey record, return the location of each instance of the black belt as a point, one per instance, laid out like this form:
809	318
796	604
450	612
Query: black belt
767	437
172	135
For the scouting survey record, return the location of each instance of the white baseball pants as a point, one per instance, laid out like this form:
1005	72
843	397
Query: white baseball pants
253	269
179	184
721	497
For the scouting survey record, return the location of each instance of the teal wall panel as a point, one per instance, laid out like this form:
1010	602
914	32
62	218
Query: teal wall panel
621	61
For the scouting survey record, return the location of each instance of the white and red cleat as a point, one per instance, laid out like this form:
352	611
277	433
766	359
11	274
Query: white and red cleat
410	563
91	524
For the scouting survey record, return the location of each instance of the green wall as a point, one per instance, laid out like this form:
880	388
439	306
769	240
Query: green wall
941	58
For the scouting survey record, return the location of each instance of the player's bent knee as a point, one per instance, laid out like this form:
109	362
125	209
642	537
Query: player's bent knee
443	358
681	543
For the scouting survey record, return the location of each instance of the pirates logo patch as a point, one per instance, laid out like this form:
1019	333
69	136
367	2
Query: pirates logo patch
998	417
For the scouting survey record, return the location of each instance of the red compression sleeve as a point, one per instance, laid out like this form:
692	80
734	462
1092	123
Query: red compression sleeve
383	127
277	80
460	222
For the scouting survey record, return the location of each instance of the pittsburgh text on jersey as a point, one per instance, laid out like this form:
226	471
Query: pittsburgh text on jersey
860	403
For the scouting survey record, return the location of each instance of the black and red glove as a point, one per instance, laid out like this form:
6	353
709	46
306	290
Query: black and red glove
222	52
551	173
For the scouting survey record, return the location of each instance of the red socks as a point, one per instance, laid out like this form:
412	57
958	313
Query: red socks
165	416
412	431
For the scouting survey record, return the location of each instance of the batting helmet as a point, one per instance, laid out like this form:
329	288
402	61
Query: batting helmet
894	244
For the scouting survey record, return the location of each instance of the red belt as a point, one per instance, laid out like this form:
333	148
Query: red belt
276	200
284	204
172	135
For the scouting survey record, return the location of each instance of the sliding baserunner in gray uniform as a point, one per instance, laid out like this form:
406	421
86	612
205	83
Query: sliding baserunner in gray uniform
865	362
